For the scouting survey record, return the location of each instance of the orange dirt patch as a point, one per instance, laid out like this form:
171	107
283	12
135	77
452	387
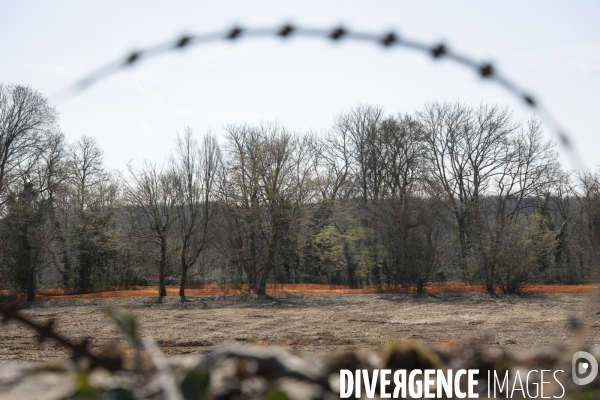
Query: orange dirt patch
220	290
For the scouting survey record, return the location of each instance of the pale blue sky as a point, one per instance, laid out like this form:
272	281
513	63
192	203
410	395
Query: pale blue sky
551	48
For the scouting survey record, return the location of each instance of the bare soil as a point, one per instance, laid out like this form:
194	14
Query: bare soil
311	322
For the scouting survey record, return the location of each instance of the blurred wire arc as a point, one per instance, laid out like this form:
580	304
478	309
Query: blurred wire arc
338	34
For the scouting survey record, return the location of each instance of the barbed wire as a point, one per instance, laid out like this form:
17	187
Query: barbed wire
45	331
389	39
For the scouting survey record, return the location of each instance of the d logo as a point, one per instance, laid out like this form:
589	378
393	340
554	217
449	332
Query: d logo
581	368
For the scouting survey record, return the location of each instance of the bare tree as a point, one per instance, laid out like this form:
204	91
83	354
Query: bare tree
268	173
528	172
240	191
361	128
86	169
587	194
332	165
51	171
563	198
467	149
333	180
25	119
195	168
362	125
151	193
402	214
92	195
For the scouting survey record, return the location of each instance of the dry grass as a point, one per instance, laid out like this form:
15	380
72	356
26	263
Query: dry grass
314	322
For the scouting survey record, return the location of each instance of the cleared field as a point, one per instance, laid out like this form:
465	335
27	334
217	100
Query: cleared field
312	322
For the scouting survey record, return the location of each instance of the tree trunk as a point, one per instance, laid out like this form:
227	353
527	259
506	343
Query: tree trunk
269	266
30	285
262	285
29	268
252	273
571	267
489	283
84	274
464	247
351	268
162	290
376	271
420	285
184	270
66	274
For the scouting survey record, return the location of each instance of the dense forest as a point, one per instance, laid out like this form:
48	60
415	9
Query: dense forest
449	193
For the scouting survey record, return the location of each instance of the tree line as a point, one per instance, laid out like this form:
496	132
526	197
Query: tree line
450	192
